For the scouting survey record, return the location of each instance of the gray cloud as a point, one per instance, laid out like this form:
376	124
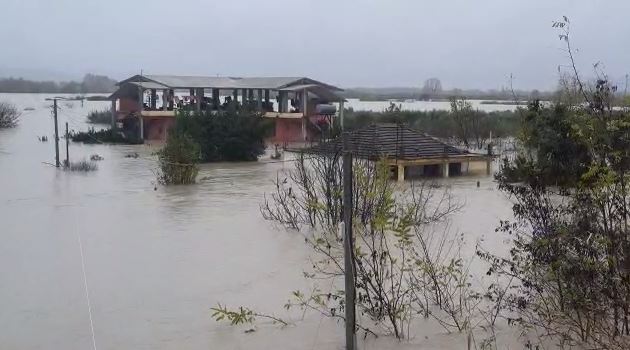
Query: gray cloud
469	44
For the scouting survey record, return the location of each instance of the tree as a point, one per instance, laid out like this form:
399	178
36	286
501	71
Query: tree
571	240
432	87
470	125
403	268
93	83
9	115
231	135
178	160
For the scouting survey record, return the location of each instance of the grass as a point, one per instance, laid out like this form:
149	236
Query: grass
81	166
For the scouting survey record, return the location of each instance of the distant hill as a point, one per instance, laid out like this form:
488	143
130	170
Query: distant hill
91	83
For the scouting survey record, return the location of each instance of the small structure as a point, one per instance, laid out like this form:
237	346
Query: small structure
408	152
301	110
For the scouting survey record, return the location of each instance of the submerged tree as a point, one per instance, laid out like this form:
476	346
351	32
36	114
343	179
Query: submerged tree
178	160
232	135
9	115
404	266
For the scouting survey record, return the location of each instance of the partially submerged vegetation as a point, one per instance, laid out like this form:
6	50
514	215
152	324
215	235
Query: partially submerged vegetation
104	136
178	160
565	280
570	257
99	117
9	115
231	135
80	166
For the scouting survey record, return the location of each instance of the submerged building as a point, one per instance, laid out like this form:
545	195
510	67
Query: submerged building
408	152
301	107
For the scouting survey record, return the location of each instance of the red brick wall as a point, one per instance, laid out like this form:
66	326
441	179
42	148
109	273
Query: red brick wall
157	128
127	105
287	130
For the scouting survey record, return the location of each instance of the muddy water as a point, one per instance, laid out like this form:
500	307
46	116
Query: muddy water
157	259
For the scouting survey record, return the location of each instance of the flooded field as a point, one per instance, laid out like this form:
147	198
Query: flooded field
158	258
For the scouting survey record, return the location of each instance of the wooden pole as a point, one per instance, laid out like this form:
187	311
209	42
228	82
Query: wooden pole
57	164
67	146
341	107
348	244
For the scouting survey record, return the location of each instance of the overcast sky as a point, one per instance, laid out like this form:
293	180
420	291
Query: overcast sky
465	43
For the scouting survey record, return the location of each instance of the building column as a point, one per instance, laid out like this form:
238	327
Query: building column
244	97
235	95
267	96
283	101
140	100
215	98
141	128
304	128
153	99
304	102
445	169
198	98
171	100
260	100
165	98
113	111
140	109
401	173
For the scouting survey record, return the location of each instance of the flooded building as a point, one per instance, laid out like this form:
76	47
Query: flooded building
408	152
300	107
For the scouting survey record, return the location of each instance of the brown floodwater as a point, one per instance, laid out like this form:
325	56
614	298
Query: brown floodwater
158	258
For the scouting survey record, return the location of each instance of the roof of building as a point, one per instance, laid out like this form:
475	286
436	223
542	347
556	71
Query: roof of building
393	141
192	82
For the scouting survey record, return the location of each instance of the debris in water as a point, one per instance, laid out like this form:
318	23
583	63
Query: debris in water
131	155
29	109
96	157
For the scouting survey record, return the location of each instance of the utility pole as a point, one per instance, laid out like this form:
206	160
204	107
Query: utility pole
67	146
56	133
55	99
348	244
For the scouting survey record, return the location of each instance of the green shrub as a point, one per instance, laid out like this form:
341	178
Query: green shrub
226	136
178	160
103	136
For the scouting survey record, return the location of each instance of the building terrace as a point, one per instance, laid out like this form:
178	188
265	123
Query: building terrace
299	105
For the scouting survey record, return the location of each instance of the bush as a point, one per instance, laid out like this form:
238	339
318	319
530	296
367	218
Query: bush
9	115
226	136
178	160
82	166
103	136
99	117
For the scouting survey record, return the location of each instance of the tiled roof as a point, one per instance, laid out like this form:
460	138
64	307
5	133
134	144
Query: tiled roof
184	82
393	141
